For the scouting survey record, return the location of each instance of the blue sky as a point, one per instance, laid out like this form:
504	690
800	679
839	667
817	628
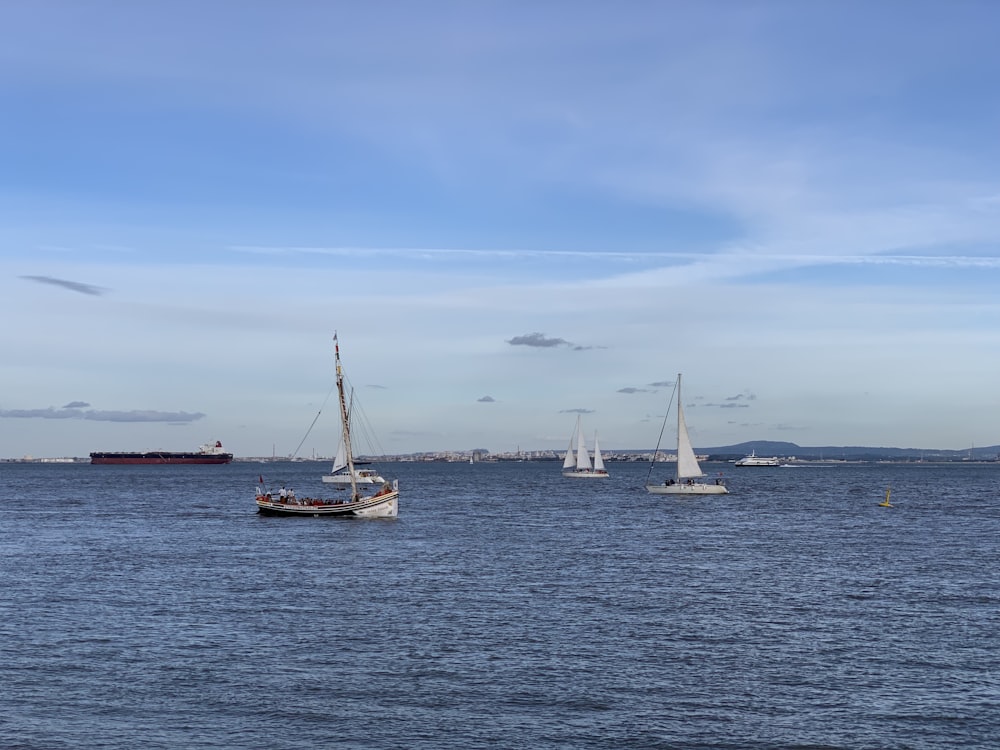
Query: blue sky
511	213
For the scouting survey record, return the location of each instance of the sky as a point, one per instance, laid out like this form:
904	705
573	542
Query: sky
510	213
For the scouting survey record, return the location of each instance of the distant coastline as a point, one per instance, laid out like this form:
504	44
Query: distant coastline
788	453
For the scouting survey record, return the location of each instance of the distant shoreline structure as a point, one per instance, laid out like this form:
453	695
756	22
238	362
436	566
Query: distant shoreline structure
789	456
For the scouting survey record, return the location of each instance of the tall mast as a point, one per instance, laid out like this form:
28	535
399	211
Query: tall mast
344	420
680	424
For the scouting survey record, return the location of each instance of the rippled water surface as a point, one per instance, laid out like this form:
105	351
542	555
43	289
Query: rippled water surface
506	607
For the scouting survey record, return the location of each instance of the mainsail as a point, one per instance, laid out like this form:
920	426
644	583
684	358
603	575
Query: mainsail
340	462
687	464
582	459
569	462
598	459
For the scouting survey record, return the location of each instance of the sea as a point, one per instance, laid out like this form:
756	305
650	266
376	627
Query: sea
506	607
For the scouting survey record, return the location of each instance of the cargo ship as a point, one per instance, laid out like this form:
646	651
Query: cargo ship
207	454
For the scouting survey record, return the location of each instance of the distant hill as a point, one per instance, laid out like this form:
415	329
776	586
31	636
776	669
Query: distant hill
852	452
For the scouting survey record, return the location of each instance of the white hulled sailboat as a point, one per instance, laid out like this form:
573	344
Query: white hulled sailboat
340	476
687	468
577	464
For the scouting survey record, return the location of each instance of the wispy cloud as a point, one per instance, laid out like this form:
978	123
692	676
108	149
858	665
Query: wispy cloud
539	340
763	253
576	411
731	402
451	254
631	389
73	286
95	415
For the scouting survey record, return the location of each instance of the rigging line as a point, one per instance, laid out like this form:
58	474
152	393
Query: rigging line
363	426
663	427
323	406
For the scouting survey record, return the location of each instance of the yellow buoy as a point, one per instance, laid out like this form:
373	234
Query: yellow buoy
885	503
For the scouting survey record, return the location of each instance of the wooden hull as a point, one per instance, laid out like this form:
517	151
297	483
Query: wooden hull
381	504
377	506
695	488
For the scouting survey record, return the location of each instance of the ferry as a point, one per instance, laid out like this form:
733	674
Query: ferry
754	460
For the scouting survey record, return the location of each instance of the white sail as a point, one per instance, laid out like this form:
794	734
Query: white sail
687	464
582	459
341	460
569	462
598	459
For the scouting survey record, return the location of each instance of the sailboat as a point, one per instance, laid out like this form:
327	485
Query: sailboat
383	503
577	464
340	476
688	470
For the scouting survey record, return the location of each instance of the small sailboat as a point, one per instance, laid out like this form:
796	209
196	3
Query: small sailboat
341	477
383	503
683	482
885	503
577	464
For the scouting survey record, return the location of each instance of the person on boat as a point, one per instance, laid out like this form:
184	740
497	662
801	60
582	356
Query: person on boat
282	493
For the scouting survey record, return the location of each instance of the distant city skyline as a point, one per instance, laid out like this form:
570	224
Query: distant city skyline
521	214
763	448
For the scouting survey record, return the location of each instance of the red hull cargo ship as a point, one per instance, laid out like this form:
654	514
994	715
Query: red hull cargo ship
208	454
